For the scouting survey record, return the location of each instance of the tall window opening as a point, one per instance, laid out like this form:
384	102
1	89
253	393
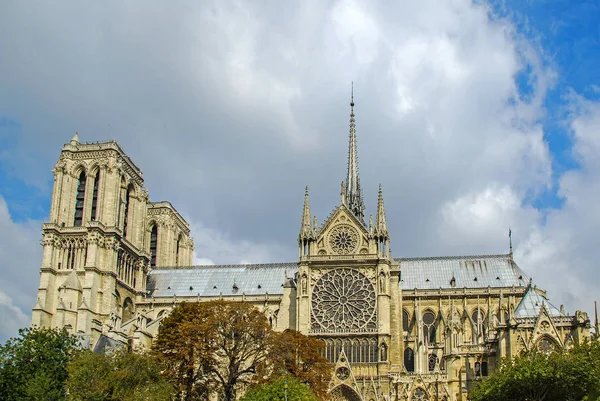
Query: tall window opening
409	360
429	326
405	321
126	209
79	200
153	241
479	323
431	362
177	249
95	196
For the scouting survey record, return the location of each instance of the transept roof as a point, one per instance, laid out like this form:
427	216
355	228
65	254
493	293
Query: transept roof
532	302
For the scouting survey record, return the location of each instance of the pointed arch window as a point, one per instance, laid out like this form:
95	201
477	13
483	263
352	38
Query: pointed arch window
429	327
177	250
409	360
126	209
405	321
479	322
153	243
79	200
95	196
431	362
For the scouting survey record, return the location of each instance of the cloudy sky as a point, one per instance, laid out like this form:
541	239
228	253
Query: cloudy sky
474	116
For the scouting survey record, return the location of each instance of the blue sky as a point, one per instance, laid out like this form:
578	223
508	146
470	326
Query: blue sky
474	117
567	34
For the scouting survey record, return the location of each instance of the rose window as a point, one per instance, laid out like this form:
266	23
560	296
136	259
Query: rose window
419	395
343	239
342	373
545	345
343	300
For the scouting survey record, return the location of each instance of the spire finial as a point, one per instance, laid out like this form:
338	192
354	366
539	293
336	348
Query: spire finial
510	253
354	199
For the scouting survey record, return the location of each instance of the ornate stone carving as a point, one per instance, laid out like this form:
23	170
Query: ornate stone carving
343	239
344	300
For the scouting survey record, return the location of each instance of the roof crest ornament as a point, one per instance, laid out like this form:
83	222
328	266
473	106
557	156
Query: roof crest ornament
354	199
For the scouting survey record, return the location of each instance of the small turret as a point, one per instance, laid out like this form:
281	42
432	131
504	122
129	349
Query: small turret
380	232
380	222
75	139
307	232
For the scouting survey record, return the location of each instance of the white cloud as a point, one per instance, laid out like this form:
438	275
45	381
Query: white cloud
20	260
214	247
563	253
11	318
231	107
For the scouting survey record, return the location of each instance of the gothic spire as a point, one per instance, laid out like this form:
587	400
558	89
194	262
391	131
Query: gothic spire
306	229
380	222
354	199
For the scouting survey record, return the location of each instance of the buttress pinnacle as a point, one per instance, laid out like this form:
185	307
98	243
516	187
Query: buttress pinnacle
306	229
380	222
354	199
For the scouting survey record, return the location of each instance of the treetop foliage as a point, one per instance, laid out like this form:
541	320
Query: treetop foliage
277	389
535	376
33	366
224	347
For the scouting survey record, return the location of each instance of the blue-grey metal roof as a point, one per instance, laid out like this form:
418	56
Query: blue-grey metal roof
215	280
479	271
257	279
531	305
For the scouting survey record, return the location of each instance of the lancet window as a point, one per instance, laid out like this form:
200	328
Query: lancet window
409	360
126	268
357	350
79	200
431	362
405	321
478	323
429	327
95	196
177	250
126	209
153	243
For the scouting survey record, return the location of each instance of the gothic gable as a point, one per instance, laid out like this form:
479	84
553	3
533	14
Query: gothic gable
342	234
545	328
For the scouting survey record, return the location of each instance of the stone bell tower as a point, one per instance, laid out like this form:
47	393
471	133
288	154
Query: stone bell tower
101	241
348	293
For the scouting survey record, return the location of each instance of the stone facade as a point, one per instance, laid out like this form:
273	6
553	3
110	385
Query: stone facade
114	265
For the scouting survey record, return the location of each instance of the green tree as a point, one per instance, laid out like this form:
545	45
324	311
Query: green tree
123	376
33	365
276	391
90	377
535	376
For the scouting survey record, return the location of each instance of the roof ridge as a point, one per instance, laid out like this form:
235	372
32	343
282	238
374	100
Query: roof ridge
491	256
247	265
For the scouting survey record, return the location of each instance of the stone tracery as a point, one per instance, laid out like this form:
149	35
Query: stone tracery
343	301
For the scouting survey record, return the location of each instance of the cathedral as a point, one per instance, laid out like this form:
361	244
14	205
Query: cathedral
115	263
